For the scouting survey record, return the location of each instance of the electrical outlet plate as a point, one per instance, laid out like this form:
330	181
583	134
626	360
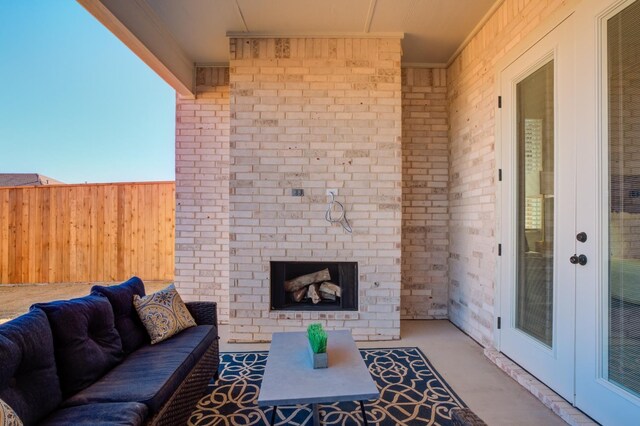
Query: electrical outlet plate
333	192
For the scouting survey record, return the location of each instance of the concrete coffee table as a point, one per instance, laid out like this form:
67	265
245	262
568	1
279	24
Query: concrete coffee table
290	379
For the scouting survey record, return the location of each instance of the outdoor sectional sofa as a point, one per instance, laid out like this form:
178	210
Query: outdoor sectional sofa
88	361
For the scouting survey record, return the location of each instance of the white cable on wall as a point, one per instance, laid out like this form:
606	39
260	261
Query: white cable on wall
336	214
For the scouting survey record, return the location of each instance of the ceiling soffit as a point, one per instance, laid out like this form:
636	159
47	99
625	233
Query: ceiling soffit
433	29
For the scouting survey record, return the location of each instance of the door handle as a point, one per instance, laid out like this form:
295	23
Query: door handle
578	259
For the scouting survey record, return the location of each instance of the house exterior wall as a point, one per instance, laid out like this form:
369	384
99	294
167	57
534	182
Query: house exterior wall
202	191
472	106
202	231
425	198
315	113
204	182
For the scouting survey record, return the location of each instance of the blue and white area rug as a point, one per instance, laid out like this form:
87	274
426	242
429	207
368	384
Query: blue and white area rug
411	393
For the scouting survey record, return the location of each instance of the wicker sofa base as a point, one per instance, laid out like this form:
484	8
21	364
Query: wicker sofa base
465	417
178	408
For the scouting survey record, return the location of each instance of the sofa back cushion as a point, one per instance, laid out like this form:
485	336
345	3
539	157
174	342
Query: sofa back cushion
85	339
127	321
28	380
8	417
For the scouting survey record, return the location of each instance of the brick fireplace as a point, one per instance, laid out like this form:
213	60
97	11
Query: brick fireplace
347	147
314	286
203	186
314	114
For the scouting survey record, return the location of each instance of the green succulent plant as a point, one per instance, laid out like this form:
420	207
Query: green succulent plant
317	338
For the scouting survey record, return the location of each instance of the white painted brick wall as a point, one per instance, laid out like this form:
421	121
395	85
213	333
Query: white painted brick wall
202	191
315	114
425	198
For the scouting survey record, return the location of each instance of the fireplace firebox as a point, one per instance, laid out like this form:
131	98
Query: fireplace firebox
314	286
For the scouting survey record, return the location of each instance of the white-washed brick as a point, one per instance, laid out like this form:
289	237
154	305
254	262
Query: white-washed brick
471	94
301	122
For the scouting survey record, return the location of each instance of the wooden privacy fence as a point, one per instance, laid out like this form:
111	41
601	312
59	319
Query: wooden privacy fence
91	232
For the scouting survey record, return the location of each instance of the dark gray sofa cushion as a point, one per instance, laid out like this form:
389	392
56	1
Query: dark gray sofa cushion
127	321
111	414
28	379
86	343
195	339
151	374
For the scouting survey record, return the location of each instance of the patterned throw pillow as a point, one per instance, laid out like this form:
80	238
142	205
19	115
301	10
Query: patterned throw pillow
163	314
8	417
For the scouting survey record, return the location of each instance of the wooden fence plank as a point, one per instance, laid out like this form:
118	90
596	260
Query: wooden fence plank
95	258
24	236
142	240
38	230
84	232
171	231
164	232
153	227
73	204
120	232
4	236
64	262
32	232
106	234
43	277
126	238
13	264
111	206
134	247
87	233
53	231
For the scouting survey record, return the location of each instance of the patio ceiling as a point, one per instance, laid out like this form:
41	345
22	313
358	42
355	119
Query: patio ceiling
172	36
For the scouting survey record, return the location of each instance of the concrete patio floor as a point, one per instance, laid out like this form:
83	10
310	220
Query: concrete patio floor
486	389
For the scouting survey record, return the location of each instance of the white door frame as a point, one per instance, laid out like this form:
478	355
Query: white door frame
601	399
552	365
553	21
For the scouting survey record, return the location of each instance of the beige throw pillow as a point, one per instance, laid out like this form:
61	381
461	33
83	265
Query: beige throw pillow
163	314
8	417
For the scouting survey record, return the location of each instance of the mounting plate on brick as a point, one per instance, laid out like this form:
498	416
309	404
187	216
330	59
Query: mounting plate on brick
297	192
331	192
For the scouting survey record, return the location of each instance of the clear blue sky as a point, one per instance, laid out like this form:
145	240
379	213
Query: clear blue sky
75	103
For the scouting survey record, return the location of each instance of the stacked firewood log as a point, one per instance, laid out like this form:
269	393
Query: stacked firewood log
316	286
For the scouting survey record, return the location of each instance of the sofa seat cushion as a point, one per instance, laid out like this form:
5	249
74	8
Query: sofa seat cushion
126	319
195	339
109	414
28	379
86	342
151	374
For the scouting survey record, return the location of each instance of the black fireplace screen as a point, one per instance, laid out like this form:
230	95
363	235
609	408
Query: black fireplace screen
311	286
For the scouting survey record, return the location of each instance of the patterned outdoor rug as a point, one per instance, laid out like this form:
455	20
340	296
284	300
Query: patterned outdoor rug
411	393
